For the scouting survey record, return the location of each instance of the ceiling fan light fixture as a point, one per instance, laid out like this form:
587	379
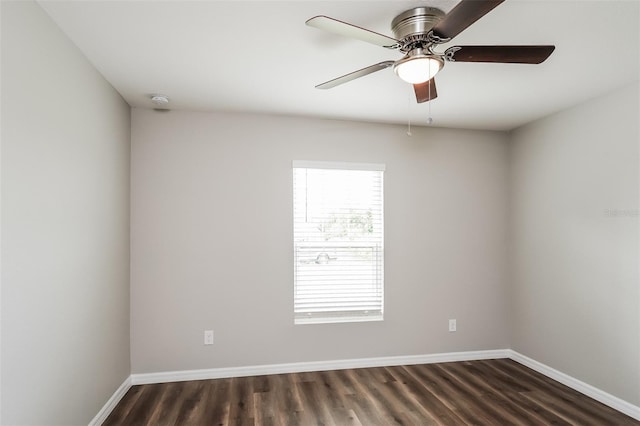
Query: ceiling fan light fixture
418	68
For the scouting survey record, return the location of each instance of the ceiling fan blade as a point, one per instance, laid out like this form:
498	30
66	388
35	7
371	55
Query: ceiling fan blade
426	91
353	75
349	30
462	16
501	54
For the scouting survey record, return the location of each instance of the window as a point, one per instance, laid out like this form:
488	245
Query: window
338	242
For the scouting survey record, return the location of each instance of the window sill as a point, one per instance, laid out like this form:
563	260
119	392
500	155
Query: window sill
373	318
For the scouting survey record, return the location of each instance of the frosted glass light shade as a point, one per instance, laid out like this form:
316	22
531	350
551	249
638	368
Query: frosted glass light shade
418	69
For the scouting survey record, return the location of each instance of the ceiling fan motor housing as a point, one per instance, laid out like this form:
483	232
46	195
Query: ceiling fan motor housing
412	26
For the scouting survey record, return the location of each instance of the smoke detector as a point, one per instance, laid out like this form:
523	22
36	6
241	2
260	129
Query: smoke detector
159	100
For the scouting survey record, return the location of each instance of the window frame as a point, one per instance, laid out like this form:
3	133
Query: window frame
376	294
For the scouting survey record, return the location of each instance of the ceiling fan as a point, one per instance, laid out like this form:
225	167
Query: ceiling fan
417	32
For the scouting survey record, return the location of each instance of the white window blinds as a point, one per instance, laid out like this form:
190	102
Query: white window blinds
338	242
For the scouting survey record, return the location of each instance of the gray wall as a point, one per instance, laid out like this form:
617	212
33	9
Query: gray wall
212	240
65	229
574	210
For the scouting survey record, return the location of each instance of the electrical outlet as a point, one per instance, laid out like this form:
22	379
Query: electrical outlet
452	325
208	337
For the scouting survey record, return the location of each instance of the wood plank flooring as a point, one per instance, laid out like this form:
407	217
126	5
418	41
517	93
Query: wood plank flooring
492	392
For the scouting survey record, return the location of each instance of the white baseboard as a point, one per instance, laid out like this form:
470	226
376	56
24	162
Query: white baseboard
111	403
582	387
300	367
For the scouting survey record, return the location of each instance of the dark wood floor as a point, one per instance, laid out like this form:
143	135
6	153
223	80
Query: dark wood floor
493	392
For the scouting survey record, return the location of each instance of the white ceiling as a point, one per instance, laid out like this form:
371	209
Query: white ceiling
260	57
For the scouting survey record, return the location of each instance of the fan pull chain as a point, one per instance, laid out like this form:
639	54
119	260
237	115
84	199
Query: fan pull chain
429	119
409	115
